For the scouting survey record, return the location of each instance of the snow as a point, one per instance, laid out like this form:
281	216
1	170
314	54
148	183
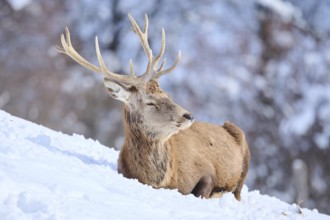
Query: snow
282	103
285	9
19	4
49	175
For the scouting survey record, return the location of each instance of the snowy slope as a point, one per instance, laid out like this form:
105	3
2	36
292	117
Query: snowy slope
49	175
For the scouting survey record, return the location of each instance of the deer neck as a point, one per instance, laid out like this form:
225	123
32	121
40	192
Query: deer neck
153	154
136	136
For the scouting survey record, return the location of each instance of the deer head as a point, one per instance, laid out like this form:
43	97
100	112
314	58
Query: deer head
148	108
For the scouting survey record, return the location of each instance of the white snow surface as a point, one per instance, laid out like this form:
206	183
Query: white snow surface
49	175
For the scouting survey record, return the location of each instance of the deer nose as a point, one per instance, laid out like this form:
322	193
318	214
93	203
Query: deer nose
189	116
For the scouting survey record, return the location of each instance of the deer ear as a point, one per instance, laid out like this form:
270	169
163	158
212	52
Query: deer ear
117	90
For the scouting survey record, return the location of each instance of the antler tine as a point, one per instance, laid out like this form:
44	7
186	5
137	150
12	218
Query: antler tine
131	68
110	75
146	24
162	49
143	36
162	65
161	72
152	72
71	52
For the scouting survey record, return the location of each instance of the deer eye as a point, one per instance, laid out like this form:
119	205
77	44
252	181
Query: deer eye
151	104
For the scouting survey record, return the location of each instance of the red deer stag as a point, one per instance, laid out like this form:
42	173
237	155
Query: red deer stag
163	145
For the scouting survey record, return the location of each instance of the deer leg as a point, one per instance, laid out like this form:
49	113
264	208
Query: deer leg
239	186
237	192
204	187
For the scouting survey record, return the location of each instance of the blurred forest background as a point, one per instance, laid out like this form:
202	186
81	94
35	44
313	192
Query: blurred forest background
263	64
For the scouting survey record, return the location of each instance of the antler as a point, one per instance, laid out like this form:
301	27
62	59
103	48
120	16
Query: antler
69	50
151	72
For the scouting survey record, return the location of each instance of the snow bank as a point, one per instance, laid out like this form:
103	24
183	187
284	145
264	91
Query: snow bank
49	175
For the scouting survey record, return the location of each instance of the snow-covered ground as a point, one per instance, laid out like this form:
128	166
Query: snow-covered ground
49	175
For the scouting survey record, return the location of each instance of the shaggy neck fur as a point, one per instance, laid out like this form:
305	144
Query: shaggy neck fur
149	155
